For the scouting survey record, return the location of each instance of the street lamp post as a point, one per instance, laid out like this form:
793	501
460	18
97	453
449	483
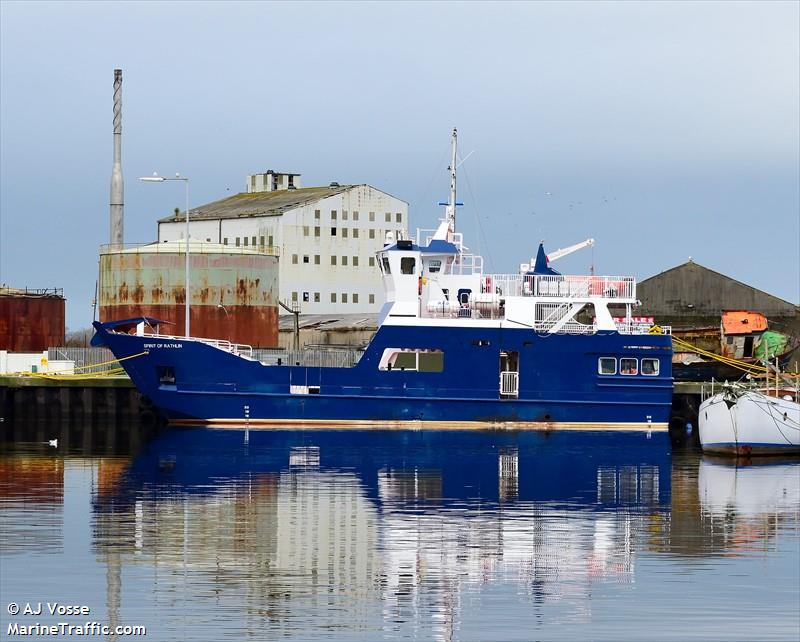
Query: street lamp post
155	178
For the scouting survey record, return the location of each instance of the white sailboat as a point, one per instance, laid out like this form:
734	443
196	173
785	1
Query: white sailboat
744	421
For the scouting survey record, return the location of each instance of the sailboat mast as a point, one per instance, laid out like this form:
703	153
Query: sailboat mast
451	205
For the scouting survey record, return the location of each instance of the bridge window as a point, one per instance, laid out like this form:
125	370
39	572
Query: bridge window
434	266
607	366
650	367
385	263
413	360
407	265
628	366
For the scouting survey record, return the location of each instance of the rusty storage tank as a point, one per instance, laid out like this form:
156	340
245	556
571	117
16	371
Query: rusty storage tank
234	291
31	320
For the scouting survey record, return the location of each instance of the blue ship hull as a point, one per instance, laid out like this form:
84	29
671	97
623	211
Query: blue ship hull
559	384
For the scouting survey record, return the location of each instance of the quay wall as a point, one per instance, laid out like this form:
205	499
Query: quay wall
106	412
110	410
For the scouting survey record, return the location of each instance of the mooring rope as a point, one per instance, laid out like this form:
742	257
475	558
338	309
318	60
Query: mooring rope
74	376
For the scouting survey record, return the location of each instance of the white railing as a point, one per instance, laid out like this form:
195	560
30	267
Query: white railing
465	264
240	349
509	383
327	358
476	310
570	327
546	315
425	236
637	327
547	285
575	327
505	284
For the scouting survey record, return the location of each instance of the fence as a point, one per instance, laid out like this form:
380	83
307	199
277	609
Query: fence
313	358
84	357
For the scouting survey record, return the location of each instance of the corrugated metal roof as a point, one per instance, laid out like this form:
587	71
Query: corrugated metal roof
743	322
259	203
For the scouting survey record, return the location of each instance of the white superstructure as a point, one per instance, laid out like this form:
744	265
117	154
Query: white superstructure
434	277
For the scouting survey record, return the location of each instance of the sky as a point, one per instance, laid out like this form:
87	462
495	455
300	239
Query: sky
664	130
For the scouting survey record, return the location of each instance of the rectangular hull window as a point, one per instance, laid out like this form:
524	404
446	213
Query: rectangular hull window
402	359
607	366
650	367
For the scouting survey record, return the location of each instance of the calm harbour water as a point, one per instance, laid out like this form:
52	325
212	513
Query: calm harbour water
217	534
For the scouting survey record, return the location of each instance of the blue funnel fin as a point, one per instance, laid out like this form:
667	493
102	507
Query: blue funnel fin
541	266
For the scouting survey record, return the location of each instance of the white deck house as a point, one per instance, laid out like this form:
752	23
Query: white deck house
326	237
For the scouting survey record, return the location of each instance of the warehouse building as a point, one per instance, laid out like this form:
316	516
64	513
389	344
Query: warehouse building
691	295
326	237
691	290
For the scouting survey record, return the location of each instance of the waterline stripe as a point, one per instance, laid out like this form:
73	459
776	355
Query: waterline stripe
416	424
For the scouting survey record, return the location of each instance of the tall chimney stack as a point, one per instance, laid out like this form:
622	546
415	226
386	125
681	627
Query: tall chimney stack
116	208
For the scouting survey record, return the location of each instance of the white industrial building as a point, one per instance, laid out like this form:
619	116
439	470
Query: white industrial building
326	237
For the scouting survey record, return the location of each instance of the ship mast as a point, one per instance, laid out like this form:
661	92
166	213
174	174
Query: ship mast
450	212
447	225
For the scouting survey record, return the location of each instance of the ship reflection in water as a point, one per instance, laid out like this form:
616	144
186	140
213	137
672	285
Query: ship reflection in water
207	534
